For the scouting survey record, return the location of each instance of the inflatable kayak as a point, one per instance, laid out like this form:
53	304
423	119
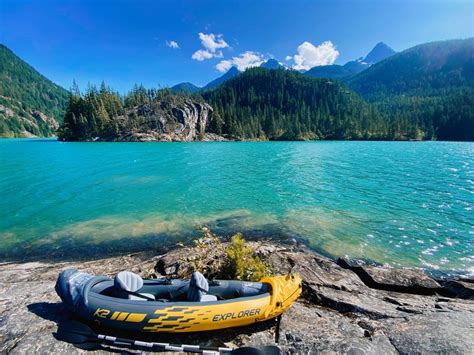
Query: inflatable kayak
163	305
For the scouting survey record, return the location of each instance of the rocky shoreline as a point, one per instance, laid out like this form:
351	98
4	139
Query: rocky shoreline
345	307
166	137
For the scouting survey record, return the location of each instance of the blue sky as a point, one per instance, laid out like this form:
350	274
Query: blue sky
126	42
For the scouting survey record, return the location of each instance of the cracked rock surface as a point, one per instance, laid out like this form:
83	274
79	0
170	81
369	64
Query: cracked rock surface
341	310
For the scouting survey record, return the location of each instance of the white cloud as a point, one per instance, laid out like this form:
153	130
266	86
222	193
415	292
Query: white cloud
201	54
288	57
310	55
212	42
224	65
247	60
172	44
243	61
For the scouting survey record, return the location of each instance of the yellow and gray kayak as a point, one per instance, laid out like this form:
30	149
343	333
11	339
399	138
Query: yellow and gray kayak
130	303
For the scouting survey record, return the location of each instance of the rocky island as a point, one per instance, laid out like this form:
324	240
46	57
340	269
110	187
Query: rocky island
177	119
148	116
346	306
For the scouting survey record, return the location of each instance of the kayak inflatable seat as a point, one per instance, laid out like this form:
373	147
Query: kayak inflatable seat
129	283
164	305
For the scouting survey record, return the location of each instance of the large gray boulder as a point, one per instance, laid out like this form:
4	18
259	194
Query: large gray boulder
174	118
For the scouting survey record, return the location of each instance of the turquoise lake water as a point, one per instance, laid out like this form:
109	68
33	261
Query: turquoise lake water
396	203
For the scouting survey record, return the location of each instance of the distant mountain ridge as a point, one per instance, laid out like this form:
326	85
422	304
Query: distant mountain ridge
185	87
273	64
431	65
380	52
431	84
231	73
30	104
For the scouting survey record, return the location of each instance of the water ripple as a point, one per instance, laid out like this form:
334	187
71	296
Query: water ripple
401	204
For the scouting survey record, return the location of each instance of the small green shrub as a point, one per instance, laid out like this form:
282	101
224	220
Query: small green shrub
241	264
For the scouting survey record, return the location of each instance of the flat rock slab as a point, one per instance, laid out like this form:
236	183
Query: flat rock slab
337	313
432	333
329	331
390	279
409	279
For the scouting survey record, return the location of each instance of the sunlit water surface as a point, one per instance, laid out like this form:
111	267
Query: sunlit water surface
401	204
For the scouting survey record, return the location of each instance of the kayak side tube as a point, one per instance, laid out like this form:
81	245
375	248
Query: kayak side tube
174	317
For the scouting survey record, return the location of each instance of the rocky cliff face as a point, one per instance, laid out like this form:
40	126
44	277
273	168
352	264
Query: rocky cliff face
174	119
49	121
16	122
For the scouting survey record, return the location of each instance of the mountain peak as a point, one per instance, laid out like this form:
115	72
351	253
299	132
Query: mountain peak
382	44
272	64
233	70
378	53
185	87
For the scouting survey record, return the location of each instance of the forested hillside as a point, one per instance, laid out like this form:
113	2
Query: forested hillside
329	72
30	104
430	85
286	105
